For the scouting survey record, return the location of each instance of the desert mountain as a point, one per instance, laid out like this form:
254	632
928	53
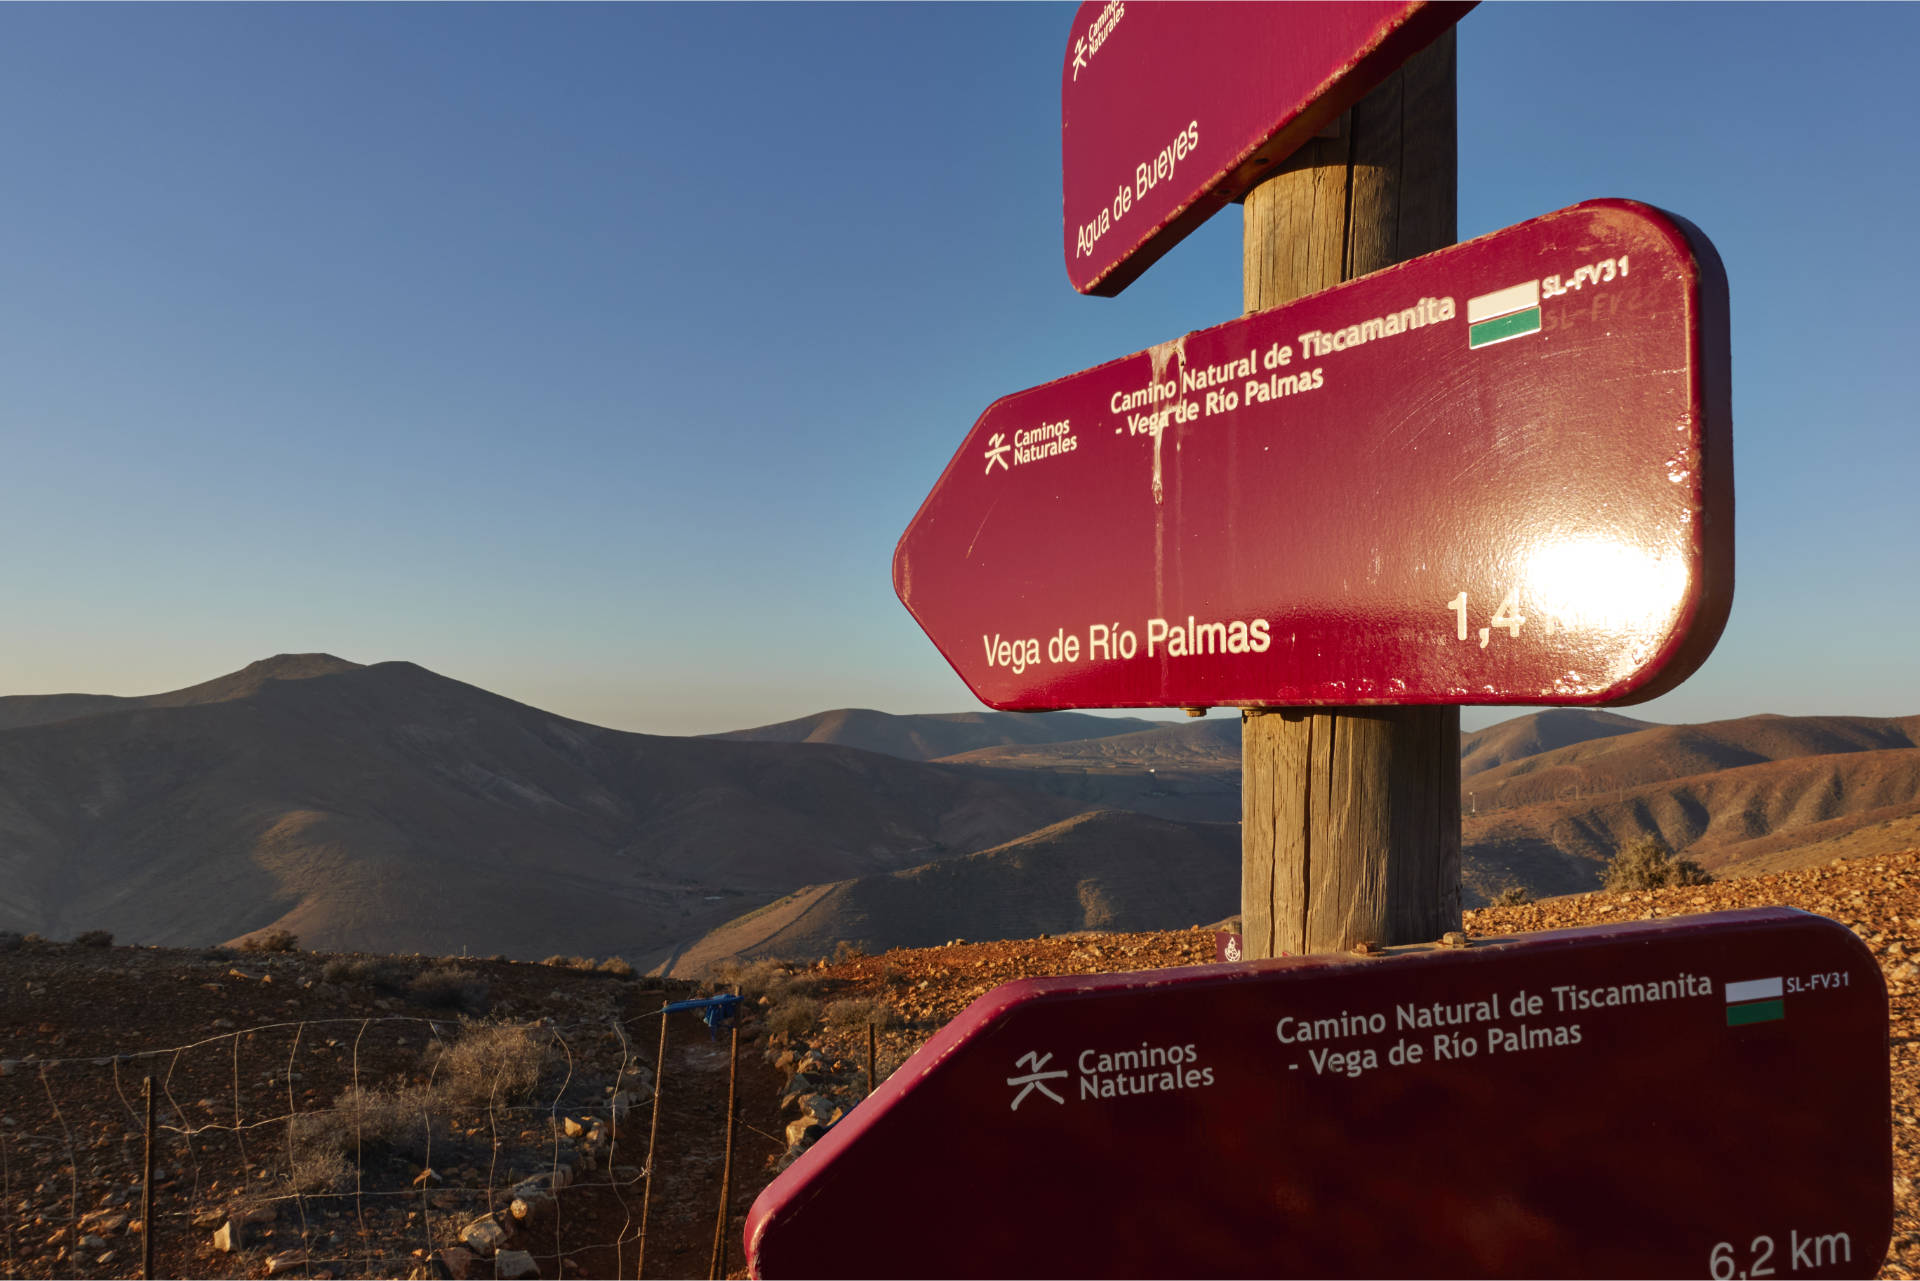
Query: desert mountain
1539	732
388	808
928	737
1186	772
1734	795
1099	871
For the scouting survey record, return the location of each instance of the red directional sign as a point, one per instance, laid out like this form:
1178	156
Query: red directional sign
1500	473
1170	111
1702	1096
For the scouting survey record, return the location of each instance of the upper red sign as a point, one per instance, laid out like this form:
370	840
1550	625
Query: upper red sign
1500	473
1170	111
1702	1096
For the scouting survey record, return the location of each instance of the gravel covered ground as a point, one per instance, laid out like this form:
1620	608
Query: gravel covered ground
238	1043
1878	898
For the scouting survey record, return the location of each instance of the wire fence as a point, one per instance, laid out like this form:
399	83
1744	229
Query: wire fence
398	1145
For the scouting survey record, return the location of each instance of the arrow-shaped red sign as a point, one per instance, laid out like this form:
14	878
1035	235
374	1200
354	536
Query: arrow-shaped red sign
1499	473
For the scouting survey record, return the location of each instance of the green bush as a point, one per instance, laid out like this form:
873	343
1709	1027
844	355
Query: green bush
1648	865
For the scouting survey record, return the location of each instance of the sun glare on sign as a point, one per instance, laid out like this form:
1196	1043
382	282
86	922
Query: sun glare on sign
1604	585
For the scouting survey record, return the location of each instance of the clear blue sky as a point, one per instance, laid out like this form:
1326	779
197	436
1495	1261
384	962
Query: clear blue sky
598	355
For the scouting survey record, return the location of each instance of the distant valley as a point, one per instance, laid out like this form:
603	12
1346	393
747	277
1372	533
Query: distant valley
387	808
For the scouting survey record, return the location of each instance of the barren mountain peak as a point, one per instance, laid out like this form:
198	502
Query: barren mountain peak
253	677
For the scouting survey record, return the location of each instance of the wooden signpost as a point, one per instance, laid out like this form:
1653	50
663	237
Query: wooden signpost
1415	475
1702	1096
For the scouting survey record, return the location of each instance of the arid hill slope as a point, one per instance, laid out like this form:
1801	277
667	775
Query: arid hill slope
928	737
1189	773
1728	794
1538	732
389	808
1100	871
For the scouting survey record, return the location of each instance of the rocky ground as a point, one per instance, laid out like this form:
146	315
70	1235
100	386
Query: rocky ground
529	1145
268	1037
1878	897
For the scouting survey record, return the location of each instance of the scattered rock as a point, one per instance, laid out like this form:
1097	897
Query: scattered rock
91	1242
484	1235
428	1177
529	1204
286	1262
514	1264
226	1238
803	1133
572	1128
454	1262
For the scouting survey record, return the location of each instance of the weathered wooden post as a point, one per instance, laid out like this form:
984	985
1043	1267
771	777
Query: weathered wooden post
1351	816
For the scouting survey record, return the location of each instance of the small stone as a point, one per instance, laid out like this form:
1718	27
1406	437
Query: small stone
111	1222
92	1242
226	1238
428	1177
514	1264
530	1204
454	1263
106	1257
286	1262
484	1235
1454	938
573	1128
803	1133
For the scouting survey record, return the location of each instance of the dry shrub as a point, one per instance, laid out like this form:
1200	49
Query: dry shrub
854	1014
94	938
386	976
1646	865
492	1062
848	950
449	988
274	940
616	965
794	1016
1513	896
755	979
362	1125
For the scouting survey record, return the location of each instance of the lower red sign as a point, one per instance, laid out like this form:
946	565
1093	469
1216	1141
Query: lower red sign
1702	1096
1498	473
